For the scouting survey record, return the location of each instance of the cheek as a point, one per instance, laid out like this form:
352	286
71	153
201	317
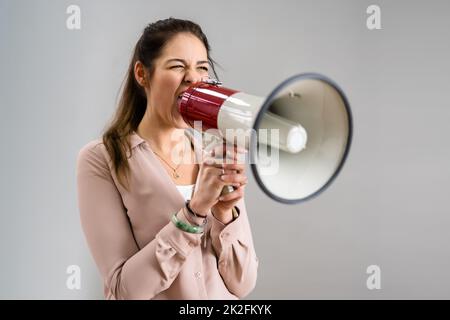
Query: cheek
169	84
165	85
163	90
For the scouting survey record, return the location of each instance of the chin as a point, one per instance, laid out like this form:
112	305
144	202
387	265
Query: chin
179	122
182	126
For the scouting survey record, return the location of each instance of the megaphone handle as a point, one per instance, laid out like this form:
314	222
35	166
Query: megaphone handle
227	190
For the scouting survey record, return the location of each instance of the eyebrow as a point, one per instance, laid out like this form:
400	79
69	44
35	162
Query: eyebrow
184	61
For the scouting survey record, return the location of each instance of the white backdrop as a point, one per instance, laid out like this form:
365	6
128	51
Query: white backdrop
389	206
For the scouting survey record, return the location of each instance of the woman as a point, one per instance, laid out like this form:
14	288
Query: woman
158	229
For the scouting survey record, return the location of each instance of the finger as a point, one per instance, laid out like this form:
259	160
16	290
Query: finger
211	161
234	184
213	152
211	170
219	150
235	195
233	178
235	154
226	154
237	150
208	161
225	171
228	148
234	166
233	147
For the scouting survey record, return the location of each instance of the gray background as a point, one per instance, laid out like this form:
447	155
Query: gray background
388	207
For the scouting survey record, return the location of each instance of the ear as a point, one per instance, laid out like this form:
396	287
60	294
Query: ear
140	74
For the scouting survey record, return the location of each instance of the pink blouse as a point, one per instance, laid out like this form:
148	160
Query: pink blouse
140	253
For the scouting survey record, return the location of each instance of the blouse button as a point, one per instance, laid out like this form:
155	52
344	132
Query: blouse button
198	274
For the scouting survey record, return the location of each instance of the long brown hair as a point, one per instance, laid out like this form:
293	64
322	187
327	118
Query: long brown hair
133	100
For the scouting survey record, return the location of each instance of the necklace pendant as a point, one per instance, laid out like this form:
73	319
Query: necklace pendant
176	175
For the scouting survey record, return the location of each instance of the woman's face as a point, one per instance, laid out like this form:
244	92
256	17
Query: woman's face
183	61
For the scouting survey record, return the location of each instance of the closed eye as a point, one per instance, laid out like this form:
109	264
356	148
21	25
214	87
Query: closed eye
180	66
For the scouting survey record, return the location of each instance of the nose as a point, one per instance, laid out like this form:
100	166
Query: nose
192	76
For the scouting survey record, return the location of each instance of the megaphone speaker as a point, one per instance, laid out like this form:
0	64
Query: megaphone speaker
305	121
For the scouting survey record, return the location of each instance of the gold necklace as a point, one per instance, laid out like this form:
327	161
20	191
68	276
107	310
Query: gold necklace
175	173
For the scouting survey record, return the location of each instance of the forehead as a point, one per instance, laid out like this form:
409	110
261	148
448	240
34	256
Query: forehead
185	46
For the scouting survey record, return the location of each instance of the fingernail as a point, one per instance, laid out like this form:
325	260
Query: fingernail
222	177
220	198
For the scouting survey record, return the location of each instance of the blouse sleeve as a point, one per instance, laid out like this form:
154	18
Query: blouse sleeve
128	273
233	245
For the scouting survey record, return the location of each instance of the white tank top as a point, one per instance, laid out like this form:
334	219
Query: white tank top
186	191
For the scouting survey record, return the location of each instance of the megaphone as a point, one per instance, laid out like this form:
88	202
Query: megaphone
306	119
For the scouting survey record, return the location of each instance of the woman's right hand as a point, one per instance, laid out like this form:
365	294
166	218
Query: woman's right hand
209	184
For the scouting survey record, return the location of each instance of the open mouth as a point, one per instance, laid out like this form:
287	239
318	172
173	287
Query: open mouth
180	96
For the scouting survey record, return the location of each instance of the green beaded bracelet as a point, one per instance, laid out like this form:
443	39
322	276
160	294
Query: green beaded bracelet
185	226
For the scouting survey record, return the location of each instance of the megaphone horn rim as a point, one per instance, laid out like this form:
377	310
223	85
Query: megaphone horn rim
270	98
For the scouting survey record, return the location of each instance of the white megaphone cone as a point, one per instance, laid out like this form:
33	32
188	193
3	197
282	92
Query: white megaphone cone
306	122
